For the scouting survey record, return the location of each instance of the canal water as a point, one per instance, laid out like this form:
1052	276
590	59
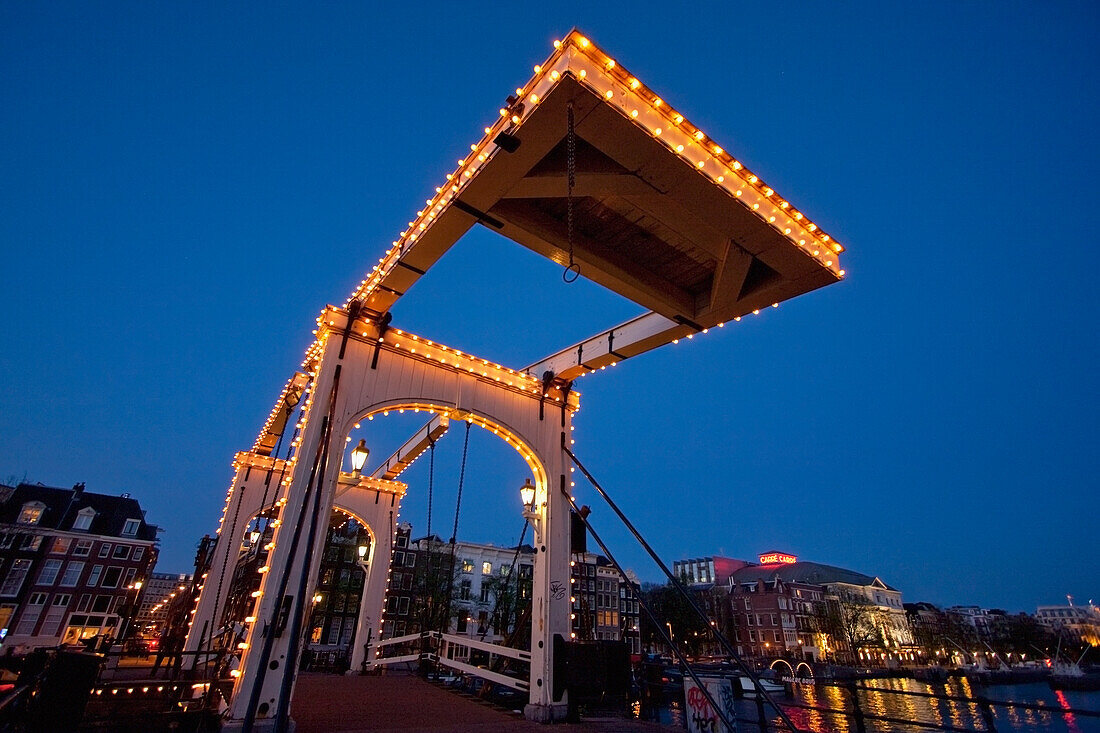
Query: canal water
926	710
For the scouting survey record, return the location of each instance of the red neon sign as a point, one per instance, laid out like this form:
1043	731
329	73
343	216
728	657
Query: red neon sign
771	558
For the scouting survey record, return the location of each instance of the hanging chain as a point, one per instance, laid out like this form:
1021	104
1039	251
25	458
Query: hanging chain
431	480
571	181
461	480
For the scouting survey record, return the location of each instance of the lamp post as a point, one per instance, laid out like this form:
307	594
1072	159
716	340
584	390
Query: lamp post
131	610
530	511
359	456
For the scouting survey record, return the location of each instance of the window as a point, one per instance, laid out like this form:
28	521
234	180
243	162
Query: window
49	572
102	604
72	573
486	568
467	565
139	552
464	591
83	548
84	518
37	599
105	549
130	529
85	601
6	540
398	558
403	606
410	559
62	599
403	541
32	541
121	552
60	546
130	573
93	577
31	513
111	577
484	593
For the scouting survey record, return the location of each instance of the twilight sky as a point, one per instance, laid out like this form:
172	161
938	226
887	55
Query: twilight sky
185	186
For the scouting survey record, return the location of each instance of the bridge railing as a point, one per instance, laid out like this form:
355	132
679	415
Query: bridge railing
857	716
453	652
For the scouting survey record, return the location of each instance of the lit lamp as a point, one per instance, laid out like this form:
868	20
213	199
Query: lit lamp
255	536
527	496
359	456
362	550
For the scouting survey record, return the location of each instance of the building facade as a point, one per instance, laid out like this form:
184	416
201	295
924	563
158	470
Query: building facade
72	564
780	606
605	605
156	595
1080	623
480	590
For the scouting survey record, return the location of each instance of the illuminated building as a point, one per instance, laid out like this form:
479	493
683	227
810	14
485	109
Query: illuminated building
604	606
887	634
482	589
72	563
1082	623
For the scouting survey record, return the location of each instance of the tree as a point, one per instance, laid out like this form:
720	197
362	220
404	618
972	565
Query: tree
671	609
849	621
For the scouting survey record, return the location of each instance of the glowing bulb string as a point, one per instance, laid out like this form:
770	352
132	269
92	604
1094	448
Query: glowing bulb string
261	664
229	542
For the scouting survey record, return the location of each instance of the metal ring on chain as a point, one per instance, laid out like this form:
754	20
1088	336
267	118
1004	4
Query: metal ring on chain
573	268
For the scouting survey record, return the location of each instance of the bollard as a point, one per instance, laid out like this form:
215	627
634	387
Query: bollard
760	709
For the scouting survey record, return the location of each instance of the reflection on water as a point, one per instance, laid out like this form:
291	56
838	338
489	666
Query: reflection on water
964	715
967	716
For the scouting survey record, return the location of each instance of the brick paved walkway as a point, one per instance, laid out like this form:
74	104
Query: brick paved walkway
408	704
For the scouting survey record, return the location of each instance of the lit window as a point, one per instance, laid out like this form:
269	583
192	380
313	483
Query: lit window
486	568
32	512
131	527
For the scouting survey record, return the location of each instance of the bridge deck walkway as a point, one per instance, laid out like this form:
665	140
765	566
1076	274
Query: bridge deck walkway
404	703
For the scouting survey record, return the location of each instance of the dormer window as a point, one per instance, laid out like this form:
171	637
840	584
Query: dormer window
84	518
31	513
130	529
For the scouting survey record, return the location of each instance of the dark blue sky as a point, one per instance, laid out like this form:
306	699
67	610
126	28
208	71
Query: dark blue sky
185	186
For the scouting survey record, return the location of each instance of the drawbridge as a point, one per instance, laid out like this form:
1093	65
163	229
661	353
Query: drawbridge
591	168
